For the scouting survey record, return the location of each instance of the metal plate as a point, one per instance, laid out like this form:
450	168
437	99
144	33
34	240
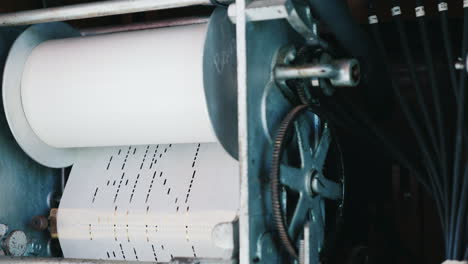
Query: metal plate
220	79
24	185
263	40
23	133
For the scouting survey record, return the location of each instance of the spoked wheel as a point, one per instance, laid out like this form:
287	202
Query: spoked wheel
305	181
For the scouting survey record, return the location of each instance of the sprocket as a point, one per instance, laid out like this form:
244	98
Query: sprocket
307	180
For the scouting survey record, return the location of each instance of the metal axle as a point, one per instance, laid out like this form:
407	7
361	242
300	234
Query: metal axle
305	71
340	72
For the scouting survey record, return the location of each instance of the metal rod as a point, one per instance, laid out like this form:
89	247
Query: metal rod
344	72
96	9
144	25
305	71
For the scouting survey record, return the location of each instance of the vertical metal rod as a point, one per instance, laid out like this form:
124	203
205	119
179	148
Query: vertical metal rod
244	212
317	131
301	251
62	179
307	243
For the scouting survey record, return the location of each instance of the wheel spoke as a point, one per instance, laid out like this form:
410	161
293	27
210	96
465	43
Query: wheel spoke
292	177
303	131
322	149
299	217
327	188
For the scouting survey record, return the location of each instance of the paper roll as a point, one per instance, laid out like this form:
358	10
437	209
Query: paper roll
132	88
150	203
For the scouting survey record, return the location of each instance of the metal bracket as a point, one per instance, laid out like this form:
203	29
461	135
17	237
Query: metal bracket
296	13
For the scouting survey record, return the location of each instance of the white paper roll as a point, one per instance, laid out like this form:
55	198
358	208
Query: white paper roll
150	203
133	88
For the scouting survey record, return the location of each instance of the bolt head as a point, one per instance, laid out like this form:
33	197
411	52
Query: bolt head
15	243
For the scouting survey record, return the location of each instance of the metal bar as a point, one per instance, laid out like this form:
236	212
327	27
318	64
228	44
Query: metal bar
96	9
305	71
340	72
145	25
244	161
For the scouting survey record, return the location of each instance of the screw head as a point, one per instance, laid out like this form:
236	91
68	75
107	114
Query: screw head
15	243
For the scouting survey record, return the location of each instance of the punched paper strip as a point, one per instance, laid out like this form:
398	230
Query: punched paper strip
150	203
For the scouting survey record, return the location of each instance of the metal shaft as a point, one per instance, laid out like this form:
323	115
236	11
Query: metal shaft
144	25
88	10
305	71
344	72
